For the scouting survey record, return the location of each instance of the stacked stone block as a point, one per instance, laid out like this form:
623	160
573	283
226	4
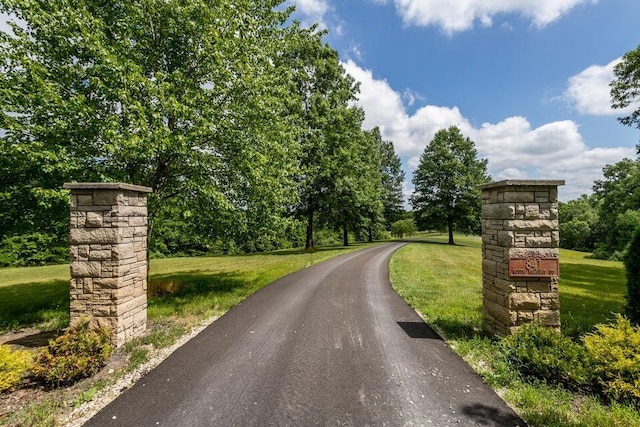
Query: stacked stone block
520	222
108	246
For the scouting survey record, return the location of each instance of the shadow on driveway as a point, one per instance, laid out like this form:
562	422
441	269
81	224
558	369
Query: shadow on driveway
419	330
491	416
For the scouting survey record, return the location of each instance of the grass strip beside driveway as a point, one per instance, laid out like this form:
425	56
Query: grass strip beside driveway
444	284
192	288
184	292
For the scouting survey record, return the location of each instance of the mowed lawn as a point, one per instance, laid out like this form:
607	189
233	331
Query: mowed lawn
445	284
34	296
590	290
195	288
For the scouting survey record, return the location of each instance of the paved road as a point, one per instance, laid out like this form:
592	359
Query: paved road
330	345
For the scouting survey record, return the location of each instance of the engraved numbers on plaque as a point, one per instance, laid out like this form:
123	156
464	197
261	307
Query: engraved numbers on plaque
533	267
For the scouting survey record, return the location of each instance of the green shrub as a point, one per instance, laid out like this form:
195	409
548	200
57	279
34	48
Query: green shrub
632	266
618	256
14	364
404	227
601	251
545	354
615	351
77	354
576	234
32	249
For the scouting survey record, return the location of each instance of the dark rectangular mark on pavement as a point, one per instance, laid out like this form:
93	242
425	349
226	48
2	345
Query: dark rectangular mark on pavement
419	330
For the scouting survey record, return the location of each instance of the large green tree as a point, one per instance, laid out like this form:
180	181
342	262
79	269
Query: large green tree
185	97
354	199
445	182
329	127
578	223
618	193
392	180
632	267
625	87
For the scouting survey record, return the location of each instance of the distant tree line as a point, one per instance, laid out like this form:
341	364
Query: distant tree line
608	221
605	221
240	120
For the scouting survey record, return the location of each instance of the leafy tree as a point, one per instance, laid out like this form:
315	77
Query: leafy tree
392	180
403	227
625	87
373	181
575	235
618	194
578	223
353	196
584	208
234	118
445	184
626	223
328	127
184	97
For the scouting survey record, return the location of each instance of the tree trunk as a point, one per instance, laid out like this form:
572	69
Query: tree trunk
370	234
450	224
309	241
345	234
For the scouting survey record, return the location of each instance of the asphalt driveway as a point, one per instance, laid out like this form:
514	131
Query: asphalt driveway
329	345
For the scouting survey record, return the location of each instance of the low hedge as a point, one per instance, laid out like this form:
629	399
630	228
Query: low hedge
79	353
606	362
14	365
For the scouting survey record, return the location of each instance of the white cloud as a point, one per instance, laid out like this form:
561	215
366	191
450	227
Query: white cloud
354	51
311	11
514	148
4	27
410	97
588	91
511	173
459	15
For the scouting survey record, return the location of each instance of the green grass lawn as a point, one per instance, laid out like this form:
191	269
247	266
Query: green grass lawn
186	288
183	292
591	291
444	283
34	296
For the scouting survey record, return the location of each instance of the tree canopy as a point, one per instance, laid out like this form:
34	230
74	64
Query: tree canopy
392	180
625	87
329	126
181	97
446	180
403	227
618	193
578	221
239	119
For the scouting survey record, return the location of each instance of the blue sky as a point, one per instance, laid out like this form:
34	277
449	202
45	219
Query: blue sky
526	80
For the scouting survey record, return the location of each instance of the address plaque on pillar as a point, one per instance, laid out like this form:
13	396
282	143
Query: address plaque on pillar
533	267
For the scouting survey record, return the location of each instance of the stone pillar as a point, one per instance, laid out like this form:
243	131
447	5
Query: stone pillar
520	266
108	246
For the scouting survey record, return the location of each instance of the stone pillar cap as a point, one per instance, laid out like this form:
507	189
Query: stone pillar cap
106	186
523	182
